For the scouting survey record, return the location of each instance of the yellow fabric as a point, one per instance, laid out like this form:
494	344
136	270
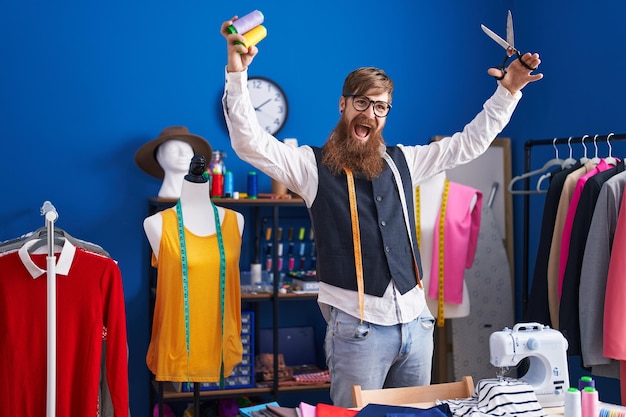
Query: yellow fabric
167	352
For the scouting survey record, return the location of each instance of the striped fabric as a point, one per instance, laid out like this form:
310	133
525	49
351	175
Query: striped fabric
498	397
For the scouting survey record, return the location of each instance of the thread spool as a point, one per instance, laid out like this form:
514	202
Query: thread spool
254	36
228	184
572	406
252	185
590	403
255	273
217	185
247	22
586	381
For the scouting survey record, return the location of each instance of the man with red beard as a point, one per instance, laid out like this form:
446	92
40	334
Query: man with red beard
359	192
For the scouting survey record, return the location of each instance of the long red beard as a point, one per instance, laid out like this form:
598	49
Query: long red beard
341	150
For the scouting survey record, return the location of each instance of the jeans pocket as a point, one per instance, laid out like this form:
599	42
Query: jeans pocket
427	322
350	328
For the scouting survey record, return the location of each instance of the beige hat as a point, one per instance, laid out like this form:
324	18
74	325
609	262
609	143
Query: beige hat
145	157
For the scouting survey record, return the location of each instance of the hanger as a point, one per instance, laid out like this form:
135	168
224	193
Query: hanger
596	159
552	162
42	241
584	158
611	160
41	234
568	162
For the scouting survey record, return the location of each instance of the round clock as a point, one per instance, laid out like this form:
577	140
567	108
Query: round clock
270	103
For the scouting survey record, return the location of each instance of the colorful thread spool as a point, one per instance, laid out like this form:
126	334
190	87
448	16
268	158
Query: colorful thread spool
249	26
586	381
228	184
247	22
252	185
590	403
572	406
254	36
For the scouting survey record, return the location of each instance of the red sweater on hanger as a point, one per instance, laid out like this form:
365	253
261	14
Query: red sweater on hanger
89	299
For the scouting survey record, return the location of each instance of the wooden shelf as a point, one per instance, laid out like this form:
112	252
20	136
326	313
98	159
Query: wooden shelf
170	394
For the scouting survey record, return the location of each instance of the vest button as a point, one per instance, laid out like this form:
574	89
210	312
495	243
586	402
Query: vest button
383	223
387	249
379	198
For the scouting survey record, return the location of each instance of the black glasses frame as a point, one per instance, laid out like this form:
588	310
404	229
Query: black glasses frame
371	103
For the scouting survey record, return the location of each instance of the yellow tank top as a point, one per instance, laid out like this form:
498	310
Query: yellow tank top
167	352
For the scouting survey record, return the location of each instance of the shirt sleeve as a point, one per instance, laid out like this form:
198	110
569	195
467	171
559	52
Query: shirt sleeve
462	147
293	166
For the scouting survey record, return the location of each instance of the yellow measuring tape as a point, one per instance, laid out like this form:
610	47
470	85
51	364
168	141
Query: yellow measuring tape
356	238
441	263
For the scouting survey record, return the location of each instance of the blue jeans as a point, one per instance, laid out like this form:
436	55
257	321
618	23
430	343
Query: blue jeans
375	356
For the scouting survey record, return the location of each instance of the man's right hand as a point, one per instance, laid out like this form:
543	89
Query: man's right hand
239	57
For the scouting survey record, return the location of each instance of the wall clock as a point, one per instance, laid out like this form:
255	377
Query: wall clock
270	103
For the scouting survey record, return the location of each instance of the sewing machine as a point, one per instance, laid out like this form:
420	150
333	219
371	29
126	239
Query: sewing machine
546	349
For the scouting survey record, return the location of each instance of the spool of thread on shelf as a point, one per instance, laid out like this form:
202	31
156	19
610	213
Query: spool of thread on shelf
590	403
228	184
255	273
572	406
586	381
252	185
247	22
217	185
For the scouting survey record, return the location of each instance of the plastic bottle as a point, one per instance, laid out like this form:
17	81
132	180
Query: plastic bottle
217	169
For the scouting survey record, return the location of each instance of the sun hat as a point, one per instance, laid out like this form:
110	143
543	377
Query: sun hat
145	157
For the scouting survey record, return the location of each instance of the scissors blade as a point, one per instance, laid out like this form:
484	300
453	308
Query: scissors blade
496	38
510	37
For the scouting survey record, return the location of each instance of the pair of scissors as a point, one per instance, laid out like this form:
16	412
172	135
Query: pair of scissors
508	45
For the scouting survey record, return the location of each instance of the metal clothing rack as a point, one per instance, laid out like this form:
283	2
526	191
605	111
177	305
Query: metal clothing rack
51	215
588	141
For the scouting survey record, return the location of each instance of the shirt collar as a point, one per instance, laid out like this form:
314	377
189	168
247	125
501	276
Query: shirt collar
62	266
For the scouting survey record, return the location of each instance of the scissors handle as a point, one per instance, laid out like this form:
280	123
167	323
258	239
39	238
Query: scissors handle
502	67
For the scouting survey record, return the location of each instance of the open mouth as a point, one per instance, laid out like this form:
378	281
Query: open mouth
361	132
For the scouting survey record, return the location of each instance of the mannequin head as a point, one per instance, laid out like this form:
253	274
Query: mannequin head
174	155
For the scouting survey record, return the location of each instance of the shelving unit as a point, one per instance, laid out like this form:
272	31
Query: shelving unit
162	392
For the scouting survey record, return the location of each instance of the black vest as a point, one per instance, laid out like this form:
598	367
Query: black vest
385	245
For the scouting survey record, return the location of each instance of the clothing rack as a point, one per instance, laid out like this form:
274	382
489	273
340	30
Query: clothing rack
588	141
51	215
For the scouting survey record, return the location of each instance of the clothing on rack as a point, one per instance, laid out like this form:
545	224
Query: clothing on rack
538	306
593	276
89	298
590	308
569	303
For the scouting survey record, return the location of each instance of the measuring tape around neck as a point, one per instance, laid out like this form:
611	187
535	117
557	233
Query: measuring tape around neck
185	279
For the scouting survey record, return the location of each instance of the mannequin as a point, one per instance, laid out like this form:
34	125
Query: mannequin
204	285
173	155
431	192
195	202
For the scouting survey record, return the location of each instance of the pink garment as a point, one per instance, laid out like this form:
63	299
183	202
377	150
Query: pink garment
614	306
569	218
461	229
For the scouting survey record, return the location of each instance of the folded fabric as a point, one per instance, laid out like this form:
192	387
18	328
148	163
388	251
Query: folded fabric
381	410
498	397
247	411
307	410
275	411
327	410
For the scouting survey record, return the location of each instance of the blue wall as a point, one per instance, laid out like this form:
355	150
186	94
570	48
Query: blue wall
85	84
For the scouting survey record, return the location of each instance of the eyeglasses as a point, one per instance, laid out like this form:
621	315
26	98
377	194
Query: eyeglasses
362	103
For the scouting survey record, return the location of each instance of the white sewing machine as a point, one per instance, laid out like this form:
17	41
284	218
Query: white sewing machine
546	349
